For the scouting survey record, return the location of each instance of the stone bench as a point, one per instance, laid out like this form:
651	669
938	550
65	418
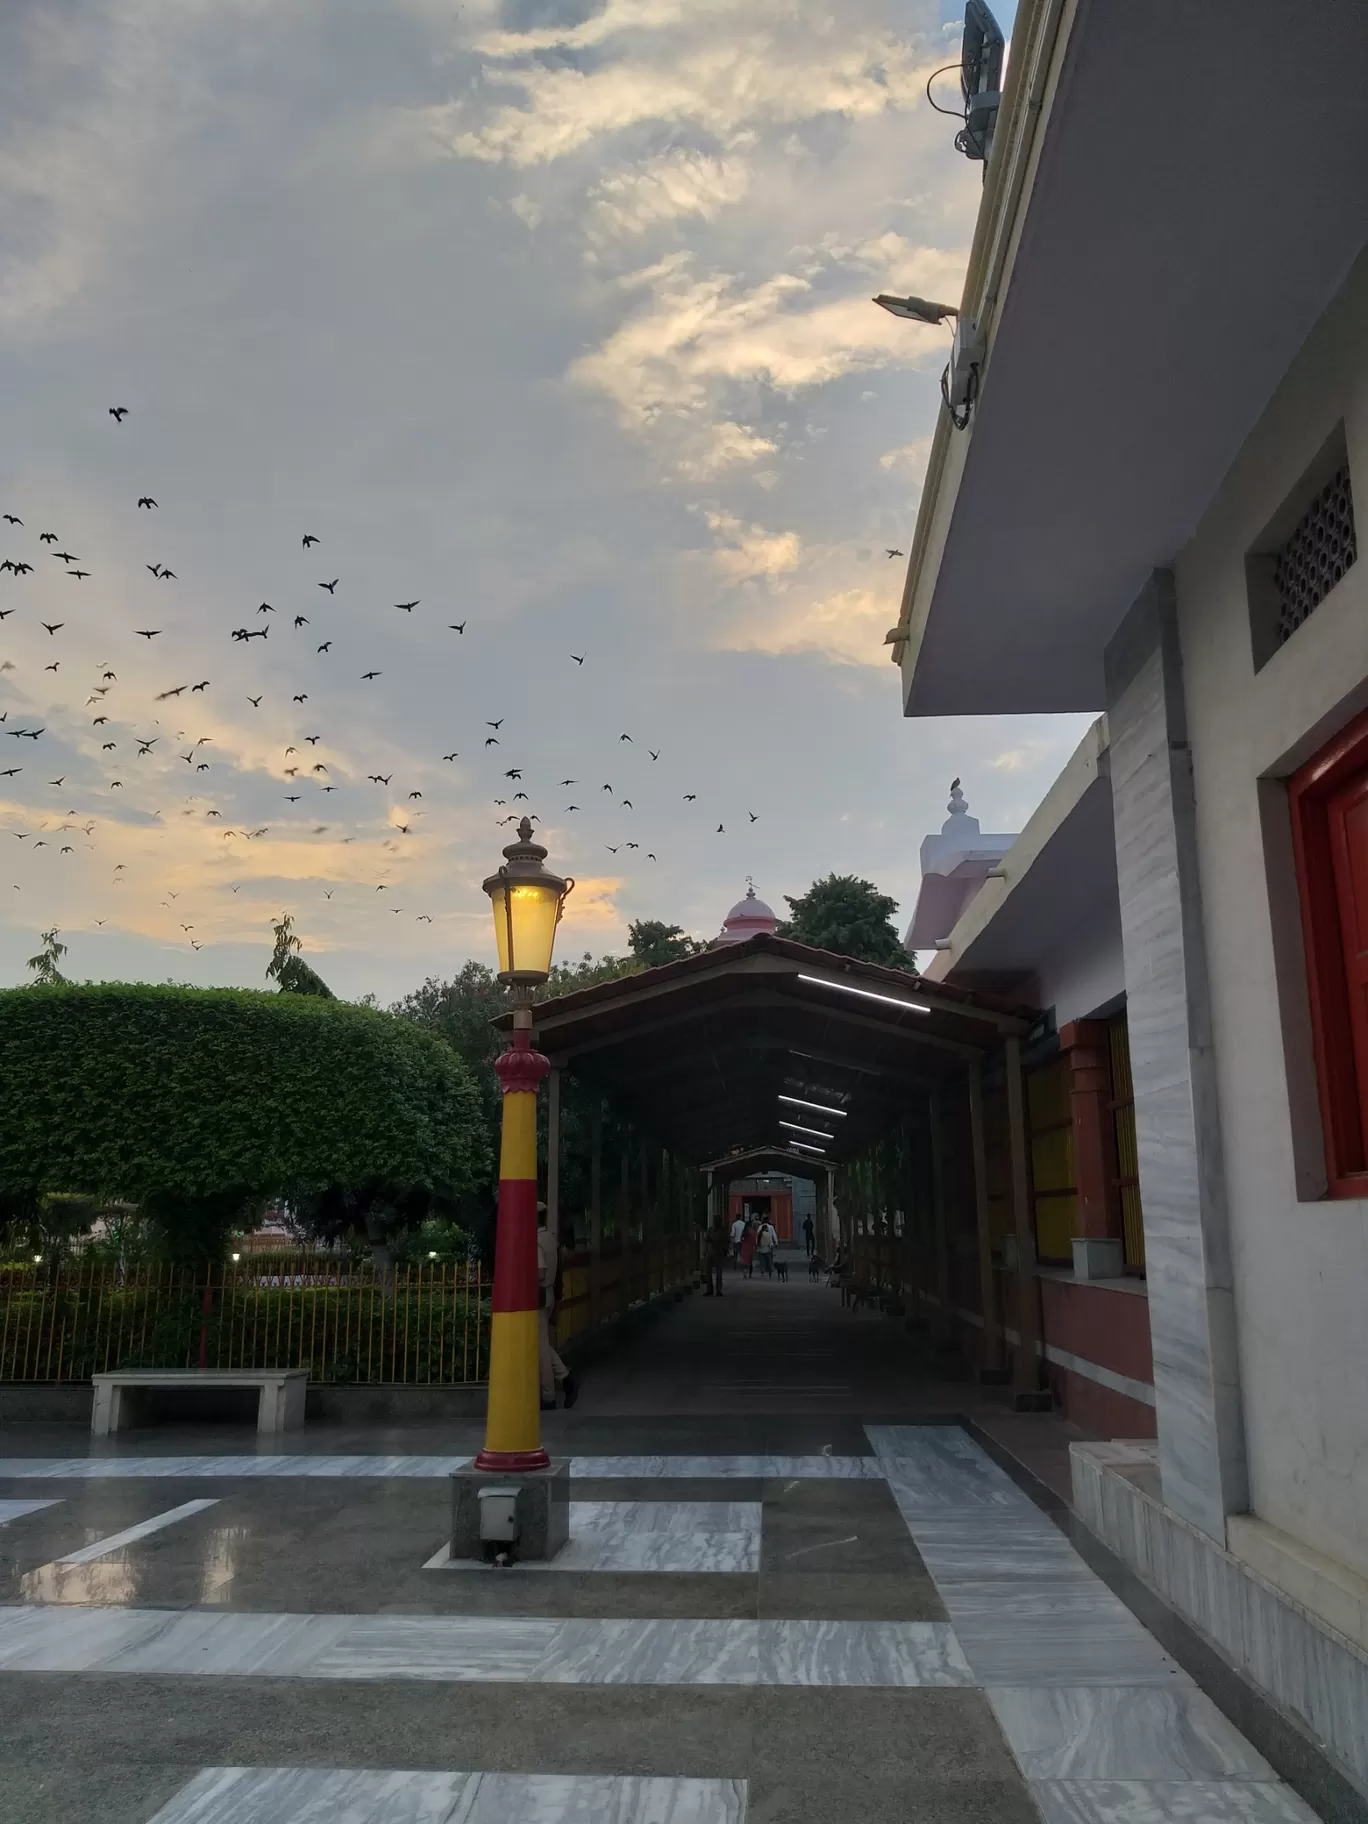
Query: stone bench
280	1406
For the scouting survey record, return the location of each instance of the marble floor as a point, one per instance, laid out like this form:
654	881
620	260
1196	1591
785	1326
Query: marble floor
782	1618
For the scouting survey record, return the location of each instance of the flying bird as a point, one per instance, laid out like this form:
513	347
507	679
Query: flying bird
411	794
752	816
255	702
330	587
146	500
498	724
326	646
607	788
624	737
654	752
893	552
578	657
307	540
366	675
569	781
10	519
147	633
164	573
457	626
47	538
162	695
52	626
313	740
380	778
265	608
572	807
451	756
118	413
408	607
610	848
719	831
78	574
491	740
301	620
302	696
203	686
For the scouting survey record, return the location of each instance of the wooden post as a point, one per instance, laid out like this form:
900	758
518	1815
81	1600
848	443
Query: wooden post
553	1153
1026	1375
992	1334
945	1325
596	1213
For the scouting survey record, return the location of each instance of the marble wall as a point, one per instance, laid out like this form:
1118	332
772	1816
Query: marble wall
1177	1122
1308	1670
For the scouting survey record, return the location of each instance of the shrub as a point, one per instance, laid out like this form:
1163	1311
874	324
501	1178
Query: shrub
193	1101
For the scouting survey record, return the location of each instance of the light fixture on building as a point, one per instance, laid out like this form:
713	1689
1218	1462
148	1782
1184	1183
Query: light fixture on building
803	1146
917	310
866	994
527	900
820	1107
236	1257
798	1128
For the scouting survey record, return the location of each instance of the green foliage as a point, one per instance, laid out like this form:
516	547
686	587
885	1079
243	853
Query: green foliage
287	967
850	917
45	964
192	1102
653	942
448	1241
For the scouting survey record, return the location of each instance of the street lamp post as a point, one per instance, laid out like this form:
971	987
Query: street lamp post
527	900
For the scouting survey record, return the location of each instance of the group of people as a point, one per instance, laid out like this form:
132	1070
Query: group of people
750	1240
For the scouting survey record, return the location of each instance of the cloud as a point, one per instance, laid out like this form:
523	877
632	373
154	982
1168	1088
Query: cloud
746	552
698	335
843	625
718	83
660	190
912	456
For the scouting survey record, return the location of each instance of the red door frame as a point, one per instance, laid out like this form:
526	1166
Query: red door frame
1342	1097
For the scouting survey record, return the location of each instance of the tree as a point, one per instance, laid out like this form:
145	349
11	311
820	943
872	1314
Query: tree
848	916
45	964
653	942
287	967
192	1102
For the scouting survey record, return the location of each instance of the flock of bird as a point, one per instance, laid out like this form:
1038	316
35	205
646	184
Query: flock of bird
306	777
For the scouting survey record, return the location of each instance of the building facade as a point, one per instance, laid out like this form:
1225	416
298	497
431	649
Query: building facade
1184	558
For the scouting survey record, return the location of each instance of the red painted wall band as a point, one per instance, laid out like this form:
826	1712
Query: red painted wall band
515	1247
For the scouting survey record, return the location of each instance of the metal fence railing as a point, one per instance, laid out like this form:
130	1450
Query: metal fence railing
338	1319
425	1324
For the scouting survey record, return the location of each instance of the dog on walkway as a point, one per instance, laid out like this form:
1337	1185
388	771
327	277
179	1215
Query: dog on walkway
781	1269
816	1267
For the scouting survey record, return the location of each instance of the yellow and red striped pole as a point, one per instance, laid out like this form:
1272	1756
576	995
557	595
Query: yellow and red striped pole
513	1416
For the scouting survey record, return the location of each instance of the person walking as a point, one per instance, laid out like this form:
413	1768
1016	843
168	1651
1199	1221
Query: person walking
809	1237
738	1229
554	1373
766	1241
716	1244
745	1254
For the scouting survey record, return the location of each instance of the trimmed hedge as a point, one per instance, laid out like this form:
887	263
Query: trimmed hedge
133	1091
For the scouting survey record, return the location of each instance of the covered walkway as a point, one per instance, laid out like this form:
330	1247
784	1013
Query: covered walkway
791	1593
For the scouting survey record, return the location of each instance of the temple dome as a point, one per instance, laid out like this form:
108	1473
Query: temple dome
746	917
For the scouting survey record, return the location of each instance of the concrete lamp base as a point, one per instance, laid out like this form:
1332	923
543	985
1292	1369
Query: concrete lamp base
542	1508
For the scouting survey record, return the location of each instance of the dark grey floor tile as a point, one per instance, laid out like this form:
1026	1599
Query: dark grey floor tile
851	1792
848	1596
909	1734
667	1488
645	1595
797	1543
57	1793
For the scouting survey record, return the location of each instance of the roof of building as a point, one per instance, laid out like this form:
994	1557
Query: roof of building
698	1052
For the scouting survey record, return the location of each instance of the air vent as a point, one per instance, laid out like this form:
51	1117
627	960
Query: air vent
1322	547
1303	552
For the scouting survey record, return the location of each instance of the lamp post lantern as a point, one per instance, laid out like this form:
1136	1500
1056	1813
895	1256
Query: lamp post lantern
527	900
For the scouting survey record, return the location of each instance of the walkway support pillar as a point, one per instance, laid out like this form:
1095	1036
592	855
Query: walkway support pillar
553	1153
1026	1375
992	1334
596	1213
513	1414
945	1317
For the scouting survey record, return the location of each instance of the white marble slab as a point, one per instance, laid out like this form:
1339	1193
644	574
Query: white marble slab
202	1468
802	1469
461	1648
1122	1732
1152	1802
669	1536
15	1510
102	1548
863	1653
308	1795
1085	1600
1064	1650
622	1517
